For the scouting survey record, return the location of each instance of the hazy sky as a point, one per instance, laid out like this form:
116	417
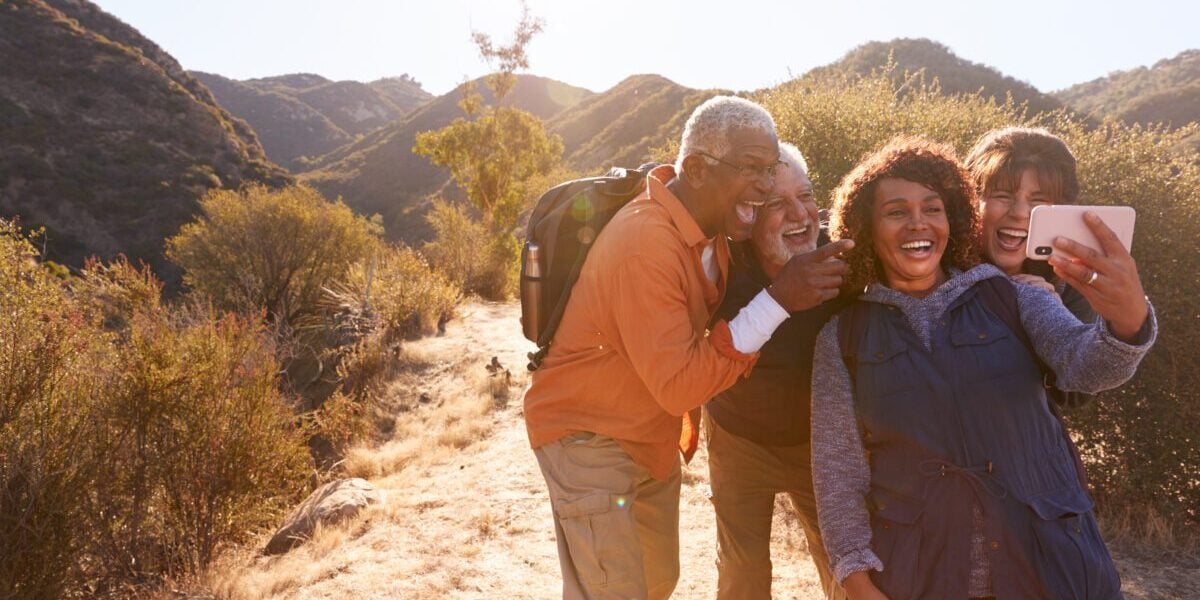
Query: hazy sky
736	44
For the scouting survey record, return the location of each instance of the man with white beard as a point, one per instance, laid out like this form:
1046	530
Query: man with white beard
758	430
616	403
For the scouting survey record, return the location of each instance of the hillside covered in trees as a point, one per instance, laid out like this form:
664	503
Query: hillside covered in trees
379	174
302	116
108	143
1167	93
955	74
620	127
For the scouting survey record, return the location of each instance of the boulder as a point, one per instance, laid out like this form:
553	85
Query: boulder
329	504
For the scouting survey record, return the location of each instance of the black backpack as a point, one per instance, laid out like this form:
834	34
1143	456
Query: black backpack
999	295
564	223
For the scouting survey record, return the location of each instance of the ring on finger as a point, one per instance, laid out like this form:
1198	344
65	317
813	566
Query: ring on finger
1091	280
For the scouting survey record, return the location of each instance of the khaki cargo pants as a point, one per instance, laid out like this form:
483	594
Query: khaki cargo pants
745	476
617	527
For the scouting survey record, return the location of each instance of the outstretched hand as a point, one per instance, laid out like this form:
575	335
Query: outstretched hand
811	278
1107	278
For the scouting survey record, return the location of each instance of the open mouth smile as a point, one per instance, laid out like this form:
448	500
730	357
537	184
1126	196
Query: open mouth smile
918	248
1011	239
796	234
746	212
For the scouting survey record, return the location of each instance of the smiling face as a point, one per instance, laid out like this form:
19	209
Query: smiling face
1005	215
911	230
787	224
736	197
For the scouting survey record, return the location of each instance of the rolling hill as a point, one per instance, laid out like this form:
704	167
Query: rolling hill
108	142
1167	92
288	128
380	174
301	116
623	124
403	91
956	75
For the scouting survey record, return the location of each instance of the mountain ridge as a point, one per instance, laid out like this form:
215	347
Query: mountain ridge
379	173
300	116
109	143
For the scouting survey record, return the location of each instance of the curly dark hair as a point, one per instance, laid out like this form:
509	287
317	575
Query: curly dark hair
914	159
1002	155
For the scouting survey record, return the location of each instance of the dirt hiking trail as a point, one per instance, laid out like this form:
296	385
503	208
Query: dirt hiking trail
465	512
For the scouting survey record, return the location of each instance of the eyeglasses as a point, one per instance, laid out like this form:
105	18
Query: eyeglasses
749	171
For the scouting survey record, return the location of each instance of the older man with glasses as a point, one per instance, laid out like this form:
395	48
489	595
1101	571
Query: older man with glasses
758	430
617	398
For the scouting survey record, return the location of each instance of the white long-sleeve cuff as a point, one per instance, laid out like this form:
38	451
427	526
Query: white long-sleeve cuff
756	322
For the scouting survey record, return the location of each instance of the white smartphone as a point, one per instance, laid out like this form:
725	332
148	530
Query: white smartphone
1050	221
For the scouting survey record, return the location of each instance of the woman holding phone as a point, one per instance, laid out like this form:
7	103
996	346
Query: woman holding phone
1016	169
938	469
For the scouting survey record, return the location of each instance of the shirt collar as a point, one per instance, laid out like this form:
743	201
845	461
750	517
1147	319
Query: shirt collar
693	236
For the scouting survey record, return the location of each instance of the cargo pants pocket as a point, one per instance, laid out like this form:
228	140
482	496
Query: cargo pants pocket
602	539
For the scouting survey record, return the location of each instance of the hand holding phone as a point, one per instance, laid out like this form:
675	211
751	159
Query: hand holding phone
1065	220
1107	276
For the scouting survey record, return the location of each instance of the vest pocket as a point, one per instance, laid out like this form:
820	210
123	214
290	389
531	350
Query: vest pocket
896	540
982	353
1061	504
885	370
1070	554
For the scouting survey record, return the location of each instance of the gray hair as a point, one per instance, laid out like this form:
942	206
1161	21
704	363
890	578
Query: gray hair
790	155
707	130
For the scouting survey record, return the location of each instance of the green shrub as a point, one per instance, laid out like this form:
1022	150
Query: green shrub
472	255
1143	440
52	365
1140	441
365	316
836	120
259	249
409	297
136	439
196	448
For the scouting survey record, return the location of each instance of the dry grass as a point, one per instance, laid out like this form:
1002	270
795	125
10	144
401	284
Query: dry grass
1146	528
466	515
441	404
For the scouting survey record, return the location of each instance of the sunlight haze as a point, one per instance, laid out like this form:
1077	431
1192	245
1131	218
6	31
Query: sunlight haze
736	45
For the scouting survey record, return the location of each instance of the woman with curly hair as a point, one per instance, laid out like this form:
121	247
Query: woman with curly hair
938	469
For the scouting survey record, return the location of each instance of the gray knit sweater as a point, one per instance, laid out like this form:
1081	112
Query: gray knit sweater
1085	358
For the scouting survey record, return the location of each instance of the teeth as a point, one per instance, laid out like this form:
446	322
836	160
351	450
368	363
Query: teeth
800	231
917	245
1017	233
745	212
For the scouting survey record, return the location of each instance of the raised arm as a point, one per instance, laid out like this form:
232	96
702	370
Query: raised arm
1085	357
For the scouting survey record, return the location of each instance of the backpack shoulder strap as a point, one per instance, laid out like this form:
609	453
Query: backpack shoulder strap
999	295
852	325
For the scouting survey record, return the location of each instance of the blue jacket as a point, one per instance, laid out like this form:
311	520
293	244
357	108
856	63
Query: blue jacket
946	412
969	422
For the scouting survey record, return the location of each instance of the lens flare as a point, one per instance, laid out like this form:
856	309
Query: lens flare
621	501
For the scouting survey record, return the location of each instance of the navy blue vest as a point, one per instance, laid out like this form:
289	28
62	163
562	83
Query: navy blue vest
967	421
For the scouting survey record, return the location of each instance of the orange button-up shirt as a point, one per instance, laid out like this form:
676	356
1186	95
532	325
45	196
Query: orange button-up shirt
632	358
